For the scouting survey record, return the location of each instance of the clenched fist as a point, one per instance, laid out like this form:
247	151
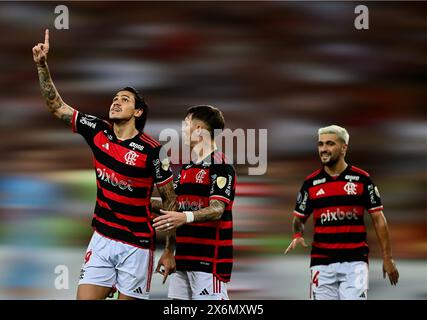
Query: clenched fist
41	49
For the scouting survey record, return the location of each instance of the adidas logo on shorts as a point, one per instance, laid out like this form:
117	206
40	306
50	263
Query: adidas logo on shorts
138	290
205	292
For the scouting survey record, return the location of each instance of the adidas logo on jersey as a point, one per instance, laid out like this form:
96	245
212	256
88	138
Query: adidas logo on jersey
320	192
106	146
205	292
138	290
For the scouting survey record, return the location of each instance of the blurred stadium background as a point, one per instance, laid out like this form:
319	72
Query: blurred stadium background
286	66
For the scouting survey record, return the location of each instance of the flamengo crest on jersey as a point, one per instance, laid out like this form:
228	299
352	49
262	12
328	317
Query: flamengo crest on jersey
126	172
338	206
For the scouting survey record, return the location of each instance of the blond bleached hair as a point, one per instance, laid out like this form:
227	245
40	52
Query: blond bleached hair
339	131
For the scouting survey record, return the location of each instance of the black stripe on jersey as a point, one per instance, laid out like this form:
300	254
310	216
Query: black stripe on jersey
344	258
352	222
110	217
225	252
123	208
191	265
226	233
354	252
194	189
198	250
226	216
224	270
338	201
196	232
350	237
118	166
123	235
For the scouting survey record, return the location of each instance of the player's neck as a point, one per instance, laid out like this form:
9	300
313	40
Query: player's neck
202	150
124	130
336	169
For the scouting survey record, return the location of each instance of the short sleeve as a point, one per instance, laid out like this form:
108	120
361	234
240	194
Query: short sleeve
161	169
372	197
303	207
223	183
86	125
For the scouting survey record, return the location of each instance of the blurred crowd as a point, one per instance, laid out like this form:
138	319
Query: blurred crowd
283	66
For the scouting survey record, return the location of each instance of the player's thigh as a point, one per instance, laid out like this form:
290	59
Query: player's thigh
324	283
179	286
206	286
354	283
97	270
92	292
134	272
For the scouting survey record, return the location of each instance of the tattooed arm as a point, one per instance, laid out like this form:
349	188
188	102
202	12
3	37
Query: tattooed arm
54	102
172	219
168	201
298	238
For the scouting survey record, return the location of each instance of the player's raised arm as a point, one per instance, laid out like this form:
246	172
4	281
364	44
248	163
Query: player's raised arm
54	101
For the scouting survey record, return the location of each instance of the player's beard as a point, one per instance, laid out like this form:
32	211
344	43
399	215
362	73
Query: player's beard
333	159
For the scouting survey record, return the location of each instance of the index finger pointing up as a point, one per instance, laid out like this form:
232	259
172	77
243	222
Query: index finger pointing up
46	37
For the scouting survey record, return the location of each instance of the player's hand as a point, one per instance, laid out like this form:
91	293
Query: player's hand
390	269
166	264
294	243
41	50
169	220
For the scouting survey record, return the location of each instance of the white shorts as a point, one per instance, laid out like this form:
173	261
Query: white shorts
340	281
110	263
196	285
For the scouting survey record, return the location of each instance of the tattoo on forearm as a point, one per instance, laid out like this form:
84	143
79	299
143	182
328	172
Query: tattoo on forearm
213	212
54	101
298	225
170	240
168	195
156	205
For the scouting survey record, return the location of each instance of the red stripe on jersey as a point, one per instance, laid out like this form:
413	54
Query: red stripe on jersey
208	242
118	152
151	139
195	175
162	183
336	188
120	215
358	170
372	210
146	138
143	234
106	173
122	199
111	224
339	229
340	212
220	198
103	204
73	121
325	245
213	224
319	256
312	175
296	213
203	259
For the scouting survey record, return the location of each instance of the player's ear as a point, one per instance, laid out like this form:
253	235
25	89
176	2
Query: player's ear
138	112
344	148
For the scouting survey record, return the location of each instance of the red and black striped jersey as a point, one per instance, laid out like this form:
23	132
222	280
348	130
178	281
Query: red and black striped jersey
126	172
206	246
338	205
